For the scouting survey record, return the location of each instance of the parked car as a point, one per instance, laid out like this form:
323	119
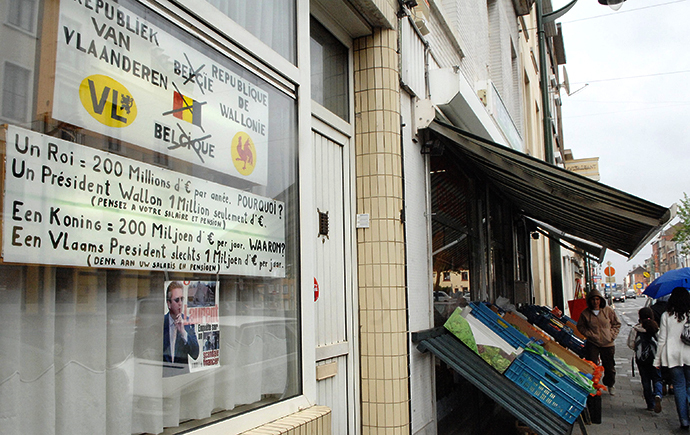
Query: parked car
631	294
617	296
441	296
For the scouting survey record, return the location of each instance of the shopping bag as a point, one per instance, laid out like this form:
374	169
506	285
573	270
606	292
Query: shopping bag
576	307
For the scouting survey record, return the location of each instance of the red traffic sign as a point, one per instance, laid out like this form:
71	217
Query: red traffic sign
609	271
316	289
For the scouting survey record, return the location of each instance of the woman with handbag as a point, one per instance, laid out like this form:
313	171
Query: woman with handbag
673	353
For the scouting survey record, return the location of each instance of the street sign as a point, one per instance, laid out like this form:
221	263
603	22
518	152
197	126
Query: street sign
609	271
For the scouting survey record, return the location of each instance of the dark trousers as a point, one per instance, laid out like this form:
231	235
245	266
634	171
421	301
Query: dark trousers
650	377
593	353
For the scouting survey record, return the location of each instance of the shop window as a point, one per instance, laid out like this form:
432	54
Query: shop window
109	225
272	21
15	92
21	14
451	199
329	71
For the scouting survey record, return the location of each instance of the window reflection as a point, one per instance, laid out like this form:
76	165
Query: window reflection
84	345
272	21
329	71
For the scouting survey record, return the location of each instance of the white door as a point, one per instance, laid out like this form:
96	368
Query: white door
336	356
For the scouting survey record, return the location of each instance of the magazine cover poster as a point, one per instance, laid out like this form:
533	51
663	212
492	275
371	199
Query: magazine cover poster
191	328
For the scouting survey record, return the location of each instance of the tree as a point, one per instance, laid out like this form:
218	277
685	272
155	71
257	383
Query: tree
682	236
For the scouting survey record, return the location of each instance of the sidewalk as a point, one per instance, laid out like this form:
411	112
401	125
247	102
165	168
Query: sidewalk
625	413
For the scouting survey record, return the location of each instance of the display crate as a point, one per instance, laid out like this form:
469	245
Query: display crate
569	322
569	357
551	387
549	324
533	312
501	327
534	332
572	342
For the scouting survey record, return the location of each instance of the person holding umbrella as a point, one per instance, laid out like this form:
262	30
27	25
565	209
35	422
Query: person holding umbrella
600	326
663	285
660	290
673	353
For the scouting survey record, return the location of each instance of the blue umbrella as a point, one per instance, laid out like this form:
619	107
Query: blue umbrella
665	284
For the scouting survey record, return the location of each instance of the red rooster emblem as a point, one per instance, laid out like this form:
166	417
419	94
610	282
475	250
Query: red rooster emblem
244	152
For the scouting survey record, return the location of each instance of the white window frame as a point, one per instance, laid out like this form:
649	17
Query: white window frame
319	111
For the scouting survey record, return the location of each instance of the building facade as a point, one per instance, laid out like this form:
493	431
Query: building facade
225	217
666	253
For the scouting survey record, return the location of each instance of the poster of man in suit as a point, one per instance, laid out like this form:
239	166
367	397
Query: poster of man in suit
191	317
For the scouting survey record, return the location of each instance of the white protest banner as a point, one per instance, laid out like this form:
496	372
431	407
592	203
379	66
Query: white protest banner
120	75
68	204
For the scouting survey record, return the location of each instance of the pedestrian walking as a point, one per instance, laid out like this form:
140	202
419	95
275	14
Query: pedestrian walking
643	340
659	308
600	326
673	353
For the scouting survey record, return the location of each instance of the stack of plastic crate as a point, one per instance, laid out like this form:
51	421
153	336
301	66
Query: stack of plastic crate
535	374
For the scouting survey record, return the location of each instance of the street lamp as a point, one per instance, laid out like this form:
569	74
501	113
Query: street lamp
613	4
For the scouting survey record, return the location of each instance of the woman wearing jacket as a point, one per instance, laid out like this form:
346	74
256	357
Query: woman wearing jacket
600	326
673	353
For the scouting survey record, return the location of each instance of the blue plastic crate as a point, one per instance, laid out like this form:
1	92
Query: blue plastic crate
567	319
572	342
569	384
545	323
496	323
554	389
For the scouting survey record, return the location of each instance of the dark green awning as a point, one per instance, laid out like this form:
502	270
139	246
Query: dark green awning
571	203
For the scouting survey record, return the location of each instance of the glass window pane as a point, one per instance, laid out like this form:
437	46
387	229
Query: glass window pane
15	92
21	14
329	71
452	223
272	21
150	255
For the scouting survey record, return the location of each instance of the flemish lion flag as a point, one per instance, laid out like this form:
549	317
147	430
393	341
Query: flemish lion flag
186	109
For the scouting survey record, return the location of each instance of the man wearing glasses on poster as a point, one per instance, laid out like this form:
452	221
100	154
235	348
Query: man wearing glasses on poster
179	340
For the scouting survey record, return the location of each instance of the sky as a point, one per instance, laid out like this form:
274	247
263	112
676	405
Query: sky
629	102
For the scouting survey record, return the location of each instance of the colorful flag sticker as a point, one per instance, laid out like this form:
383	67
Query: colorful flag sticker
186	109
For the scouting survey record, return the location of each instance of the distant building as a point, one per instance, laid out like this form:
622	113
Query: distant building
666	253
637	279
